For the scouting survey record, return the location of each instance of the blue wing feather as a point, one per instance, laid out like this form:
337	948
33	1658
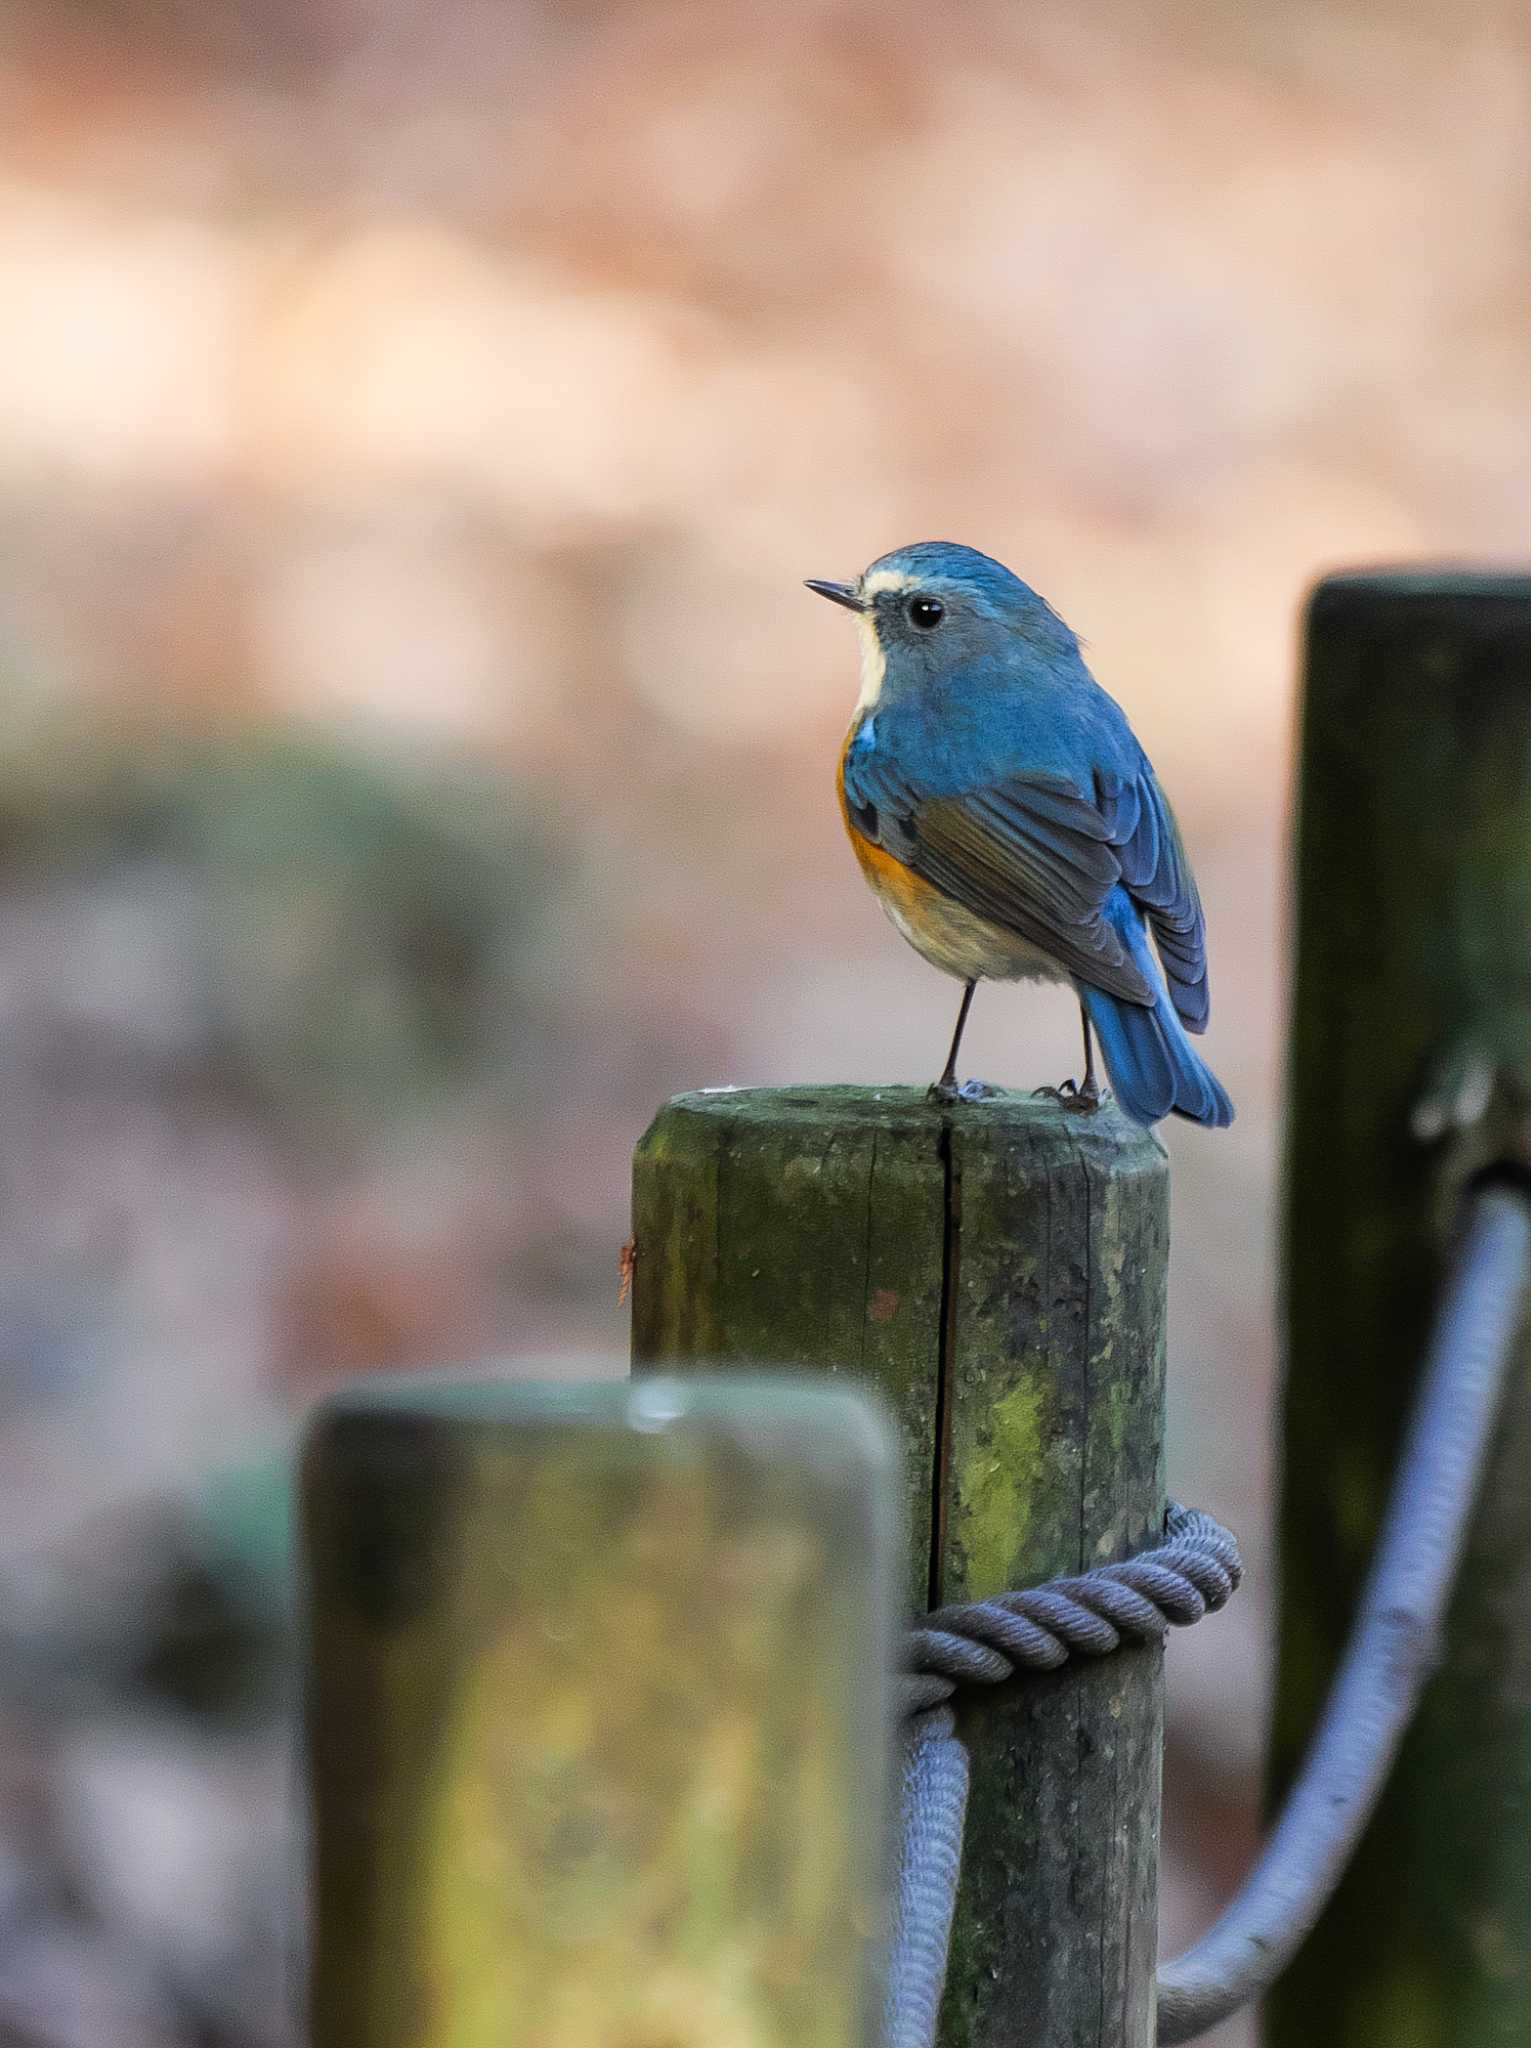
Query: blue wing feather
1037	854
1157	875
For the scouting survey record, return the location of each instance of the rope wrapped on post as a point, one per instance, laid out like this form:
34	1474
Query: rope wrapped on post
1088	1614
1192	1573
1372	1702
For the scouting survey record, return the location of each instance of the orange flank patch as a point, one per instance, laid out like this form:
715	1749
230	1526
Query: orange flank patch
900	887
944	931
906	891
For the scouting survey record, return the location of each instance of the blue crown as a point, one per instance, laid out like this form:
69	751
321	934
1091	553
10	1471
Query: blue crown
948	561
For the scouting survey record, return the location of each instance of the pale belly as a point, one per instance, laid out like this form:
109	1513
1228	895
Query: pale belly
964	945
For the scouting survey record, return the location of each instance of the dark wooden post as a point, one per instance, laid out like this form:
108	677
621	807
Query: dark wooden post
1411	1071
597	1731
998	1271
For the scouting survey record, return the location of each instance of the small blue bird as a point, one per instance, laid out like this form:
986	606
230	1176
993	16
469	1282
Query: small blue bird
1013	828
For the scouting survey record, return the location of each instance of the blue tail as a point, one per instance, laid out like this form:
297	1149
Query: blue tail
1153	1066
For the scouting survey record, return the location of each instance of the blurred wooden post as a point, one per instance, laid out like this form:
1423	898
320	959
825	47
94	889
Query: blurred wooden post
998	1271
1411	1071
598	1738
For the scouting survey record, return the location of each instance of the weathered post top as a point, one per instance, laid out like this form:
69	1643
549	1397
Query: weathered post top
597	1714
997	1270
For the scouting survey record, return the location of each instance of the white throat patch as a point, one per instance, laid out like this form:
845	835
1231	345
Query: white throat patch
873	665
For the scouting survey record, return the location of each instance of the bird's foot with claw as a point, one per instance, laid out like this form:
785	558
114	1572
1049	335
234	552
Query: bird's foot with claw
1084	1097
948	1092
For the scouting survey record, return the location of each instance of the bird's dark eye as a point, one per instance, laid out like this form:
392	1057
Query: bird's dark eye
926	612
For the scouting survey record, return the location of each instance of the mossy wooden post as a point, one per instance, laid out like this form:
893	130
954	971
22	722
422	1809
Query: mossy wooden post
1411	1070
597	1743
997	1269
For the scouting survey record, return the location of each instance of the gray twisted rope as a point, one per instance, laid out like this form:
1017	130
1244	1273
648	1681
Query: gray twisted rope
1395	1638
1089	1614
933	1810
1192	1573
1391	1653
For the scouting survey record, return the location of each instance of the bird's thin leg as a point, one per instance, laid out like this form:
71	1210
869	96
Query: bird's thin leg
949	1071
946	1089
1089	1087
1085	1094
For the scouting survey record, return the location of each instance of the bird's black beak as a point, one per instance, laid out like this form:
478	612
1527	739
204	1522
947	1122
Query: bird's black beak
838	593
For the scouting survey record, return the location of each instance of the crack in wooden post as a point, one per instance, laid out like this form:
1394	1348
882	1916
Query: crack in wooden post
996	1270
946	1359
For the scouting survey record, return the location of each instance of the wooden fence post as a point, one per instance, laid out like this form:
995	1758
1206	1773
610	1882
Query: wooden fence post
998	1271
1411	1071
598	1733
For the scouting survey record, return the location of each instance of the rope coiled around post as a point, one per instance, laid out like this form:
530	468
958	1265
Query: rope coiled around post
1193	1572
1481	1311
1086	1614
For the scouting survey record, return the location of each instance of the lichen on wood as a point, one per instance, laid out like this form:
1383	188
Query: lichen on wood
997	1271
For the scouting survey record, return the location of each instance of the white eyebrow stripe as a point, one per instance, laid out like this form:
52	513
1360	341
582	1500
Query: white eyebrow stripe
887	579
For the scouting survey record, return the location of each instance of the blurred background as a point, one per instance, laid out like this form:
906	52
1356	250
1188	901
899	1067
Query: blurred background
415	422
